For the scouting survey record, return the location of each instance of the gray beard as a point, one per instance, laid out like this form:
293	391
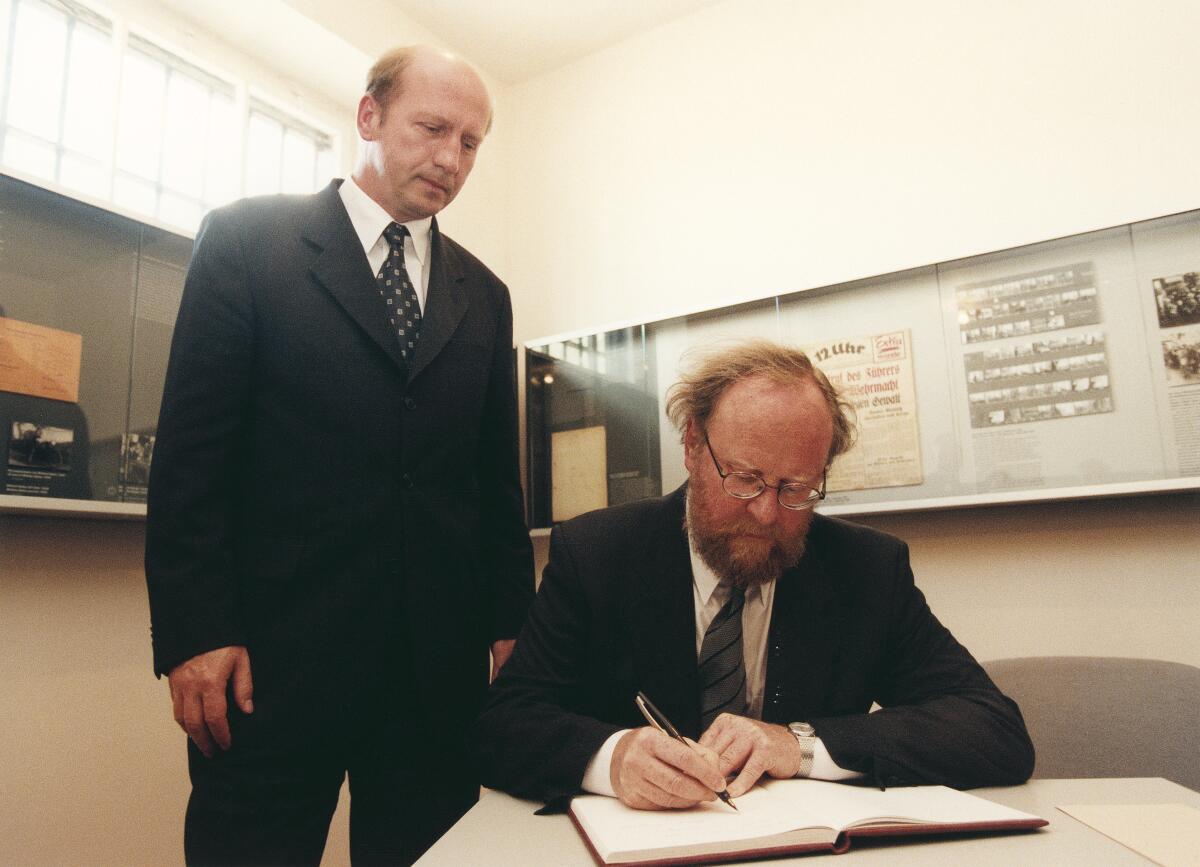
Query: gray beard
713	546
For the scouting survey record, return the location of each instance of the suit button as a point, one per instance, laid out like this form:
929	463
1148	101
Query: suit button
409	403
407	481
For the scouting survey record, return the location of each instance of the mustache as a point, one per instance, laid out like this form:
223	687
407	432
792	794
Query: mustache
729	529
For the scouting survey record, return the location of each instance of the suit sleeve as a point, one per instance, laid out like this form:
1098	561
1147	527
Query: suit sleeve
189	561
529	741
506	550
941	719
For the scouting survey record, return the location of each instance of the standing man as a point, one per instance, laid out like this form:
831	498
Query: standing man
760	629
335	534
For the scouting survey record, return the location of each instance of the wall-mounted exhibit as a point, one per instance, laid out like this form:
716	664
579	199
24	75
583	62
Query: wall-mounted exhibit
1057	370
87	306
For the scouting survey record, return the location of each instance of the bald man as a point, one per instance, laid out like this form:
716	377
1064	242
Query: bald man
336	536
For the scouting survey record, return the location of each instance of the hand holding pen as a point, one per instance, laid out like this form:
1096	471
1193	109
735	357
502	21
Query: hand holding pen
659	720
650	772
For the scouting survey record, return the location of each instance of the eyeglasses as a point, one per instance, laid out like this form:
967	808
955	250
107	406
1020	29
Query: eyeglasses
747	486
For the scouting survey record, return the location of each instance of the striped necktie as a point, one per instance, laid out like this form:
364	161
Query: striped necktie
721	666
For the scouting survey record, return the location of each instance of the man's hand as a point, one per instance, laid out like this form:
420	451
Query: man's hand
650	771
501	651
198	688
751	748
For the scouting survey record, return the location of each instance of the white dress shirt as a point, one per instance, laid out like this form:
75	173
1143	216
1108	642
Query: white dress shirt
369	220
709	597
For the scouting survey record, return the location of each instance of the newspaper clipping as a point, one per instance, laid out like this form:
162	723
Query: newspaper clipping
875	375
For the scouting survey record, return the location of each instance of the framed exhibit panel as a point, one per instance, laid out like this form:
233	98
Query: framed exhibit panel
87	306
1058	370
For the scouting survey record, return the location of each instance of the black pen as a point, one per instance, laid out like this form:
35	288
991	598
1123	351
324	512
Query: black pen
656	718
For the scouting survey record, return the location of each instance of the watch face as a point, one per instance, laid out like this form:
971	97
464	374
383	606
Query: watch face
804	730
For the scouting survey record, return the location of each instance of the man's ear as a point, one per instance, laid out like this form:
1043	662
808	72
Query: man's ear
693	438
369	117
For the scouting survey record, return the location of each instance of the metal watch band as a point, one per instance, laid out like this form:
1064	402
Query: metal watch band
806	737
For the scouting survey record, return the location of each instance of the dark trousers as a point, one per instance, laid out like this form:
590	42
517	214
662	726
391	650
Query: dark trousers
269	799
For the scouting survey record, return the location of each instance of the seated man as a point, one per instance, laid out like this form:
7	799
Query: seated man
761	629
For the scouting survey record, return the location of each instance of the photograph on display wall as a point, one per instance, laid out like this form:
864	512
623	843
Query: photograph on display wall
1047	300
40	447
1177	299
1181	357
136	452
1038	380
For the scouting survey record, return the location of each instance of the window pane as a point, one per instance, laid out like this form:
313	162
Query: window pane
87	125
299	162
184	136
84	174
139	127
135	194
29	155
264	141
38	53
179	211
223	169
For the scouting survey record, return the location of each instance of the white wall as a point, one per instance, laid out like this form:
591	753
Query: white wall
767	146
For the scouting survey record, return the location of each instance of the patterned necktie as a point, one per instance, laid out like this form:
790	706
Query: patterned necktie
404	310
721	666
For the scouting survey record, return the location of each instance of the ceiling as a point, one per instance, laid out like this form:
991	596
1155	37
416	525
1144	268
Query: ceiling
511	41
515	40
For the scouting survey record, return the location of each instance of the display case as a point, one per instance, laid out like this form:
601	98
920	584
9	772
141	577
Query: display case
1057	370
88	300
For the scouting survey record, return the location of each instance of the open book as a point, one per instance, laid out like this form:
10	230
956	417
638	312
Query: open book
782	816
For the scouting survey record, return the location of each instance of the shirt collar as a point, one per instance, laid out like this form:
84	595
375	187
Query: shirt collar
369	220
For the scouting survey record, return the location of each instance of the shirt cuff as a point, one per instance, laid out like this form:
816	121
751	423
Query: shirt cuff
597	778
825	768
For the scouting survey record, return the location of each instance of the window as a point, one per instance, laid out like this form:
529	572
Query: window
56	103
176	145
284	155
116	117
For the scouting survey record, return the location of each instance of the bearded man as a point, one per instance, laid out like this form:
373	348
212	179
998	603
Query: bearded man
759	628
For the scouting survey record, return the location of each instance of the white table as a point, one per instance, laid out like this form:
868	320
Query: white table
501	831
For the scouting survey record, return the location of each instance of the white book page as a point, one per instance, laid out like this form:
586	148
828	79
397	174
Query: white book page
776	807
855	806
613	827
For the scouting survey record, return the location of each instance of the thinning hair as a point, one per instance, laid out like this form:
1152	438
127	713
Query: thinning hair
696	394
386	78
385	81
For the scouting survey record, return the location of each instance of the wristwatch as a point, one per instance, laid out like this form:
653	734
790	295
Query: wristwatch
806	736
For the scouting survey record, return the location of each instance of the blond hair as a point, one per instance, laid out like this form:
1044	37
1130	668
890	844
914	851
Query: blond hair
386	77
696	394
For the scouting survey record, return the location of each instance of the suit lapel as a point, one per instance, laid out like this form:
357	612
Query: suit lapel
665	620
445	303
341	268
806	627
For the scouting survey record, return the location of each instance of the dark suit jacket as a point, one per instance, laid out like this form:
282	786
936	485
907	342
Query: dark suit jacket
313	496
615	615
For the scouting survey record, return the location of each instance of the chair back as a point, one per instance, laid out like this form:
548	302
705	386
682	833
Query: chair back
1101	716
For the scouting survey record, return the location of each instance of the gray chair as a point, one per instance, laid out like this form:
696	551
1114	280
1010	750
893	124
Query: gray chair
1101	716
